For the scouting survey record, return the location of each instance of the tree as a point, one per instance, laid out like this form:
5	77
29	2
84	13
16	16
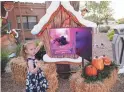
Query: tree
105	10
92	7
99	11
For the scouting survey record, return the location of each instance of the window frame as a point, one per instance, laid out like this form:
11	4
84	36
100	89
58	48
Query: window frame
27	22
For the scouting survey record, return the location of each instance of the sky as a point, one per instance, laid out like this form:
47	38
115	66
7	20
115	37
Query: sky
117	5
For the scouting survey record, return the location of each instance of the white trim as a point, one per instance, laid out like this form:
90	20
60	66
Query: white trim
46	58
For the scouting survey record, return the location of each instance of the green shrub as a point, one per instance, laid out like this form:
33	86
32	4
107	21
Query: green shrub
104	29
4	59
18	49
39	55
111	35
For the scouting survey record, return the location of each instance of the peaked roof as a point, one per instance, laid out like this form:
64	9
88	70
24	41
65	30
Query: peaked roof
52	8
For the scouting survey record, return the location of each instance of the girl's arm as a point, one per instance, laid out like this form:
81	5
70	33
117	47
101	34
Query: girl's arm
31	67
38	47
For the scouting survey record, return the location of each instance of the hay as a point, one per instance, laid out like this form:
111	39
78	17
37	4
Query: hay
51	75
19	71
73	79
77	83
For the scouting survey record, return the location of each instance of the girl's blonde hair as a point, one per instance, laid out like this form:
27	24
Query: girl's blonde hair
24	47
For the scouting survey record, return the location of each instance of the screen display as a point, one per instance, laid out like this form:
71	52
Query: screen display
71	41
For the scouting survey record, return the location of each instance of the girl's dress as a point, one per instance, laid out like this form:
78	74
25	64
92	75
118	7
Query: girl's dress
36	82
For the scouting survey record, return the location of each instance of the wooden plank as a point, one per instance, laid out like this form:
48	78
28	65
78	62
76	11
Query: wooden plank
46	42
57	20
52	24
73	24
65	16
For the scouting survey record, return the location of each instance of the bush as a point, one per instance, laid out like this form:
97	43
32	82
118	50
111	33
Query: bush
4	59
111	35
104	29
18	49
39	55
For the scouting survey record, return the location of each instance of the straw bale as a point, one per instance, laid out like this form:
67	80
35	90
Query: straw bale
77	83
18	67
19	71
48	68
73	78
51	90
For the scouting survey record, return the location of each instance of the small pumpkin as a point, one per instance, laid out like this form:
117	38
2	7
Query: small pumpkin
98	63
90	70
106	60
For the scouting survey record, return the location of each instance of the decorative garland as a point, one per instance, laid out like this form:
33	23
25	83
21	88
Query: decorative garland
101	74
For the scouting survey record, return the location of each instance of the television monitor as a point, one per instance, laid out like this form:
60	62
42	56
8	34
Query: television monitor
71	41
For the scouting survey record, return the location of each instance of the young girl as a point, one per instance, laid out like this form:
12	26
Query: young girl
36	81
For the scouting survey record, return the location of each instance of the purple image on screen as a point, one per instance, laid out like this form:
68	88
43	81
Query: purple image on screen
71	41
61	41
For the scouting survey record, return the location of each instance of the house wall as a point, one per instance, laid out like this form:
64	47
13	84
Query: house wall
75	4
38	10
47	3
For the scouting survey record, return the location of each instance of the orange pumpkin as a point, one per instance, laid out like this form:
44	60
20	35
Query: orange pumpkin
90	70
106	60
98	63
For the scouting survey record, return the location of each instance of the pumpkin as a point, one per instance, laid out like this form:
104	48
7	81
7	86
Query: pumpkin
98	63
106	60
90	70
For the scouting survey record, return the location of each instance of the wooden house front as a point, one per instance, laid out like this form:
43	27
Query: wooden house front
61	18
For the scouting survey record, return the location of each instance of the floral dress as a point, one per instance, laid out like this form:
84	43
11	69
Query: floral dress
36	82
